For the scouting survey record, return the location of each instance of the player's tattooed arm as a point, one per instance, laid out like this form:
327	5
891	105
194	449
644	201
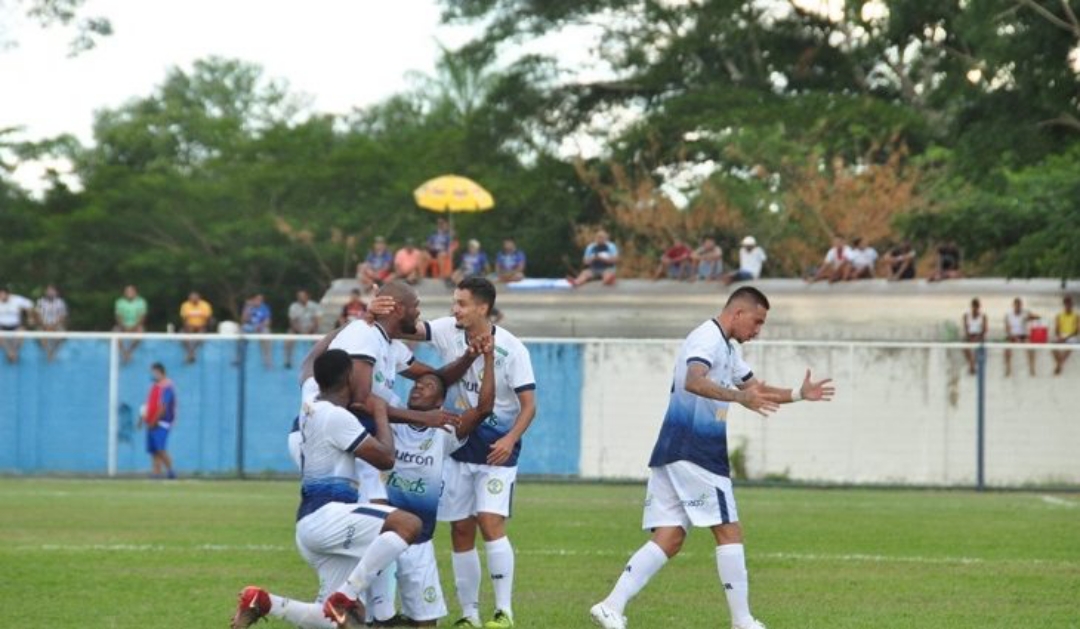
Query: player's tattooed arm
752	397
808	390
379	450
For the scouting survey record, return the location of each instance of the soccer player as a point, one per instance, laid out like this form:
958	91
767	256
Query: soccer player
480	475
345	542
689	480
415	484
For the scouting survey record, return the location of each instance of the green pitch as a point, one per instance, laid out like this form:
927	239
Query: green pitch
137	554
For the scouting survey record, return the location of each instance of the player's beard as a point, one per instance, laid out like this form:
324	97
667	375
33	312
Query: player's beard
408	327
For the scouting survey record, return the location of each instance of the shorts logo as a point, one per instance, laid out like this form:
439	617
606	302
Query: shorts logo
350	533
696	502
429	594
494	486
648	500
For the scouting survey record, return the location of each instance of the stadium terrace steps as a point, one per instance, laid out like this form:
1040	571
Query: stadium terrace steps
865	310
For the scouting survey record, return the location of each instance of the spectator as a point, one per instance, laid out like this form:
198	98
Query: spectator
409	263
901	261
303	319
600	258
975	327
510	262
948	263
440	248
836	262
51	313
130	314
1066	326
12	308
377	267
751	259
196	315
676	262
158	415
1016	331
863	261
255	319
353	310
709	258
474	263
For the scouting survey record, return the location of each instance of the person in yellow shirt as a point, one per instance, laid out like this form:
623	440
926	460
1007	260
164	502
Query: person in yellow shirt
196	315
1066	326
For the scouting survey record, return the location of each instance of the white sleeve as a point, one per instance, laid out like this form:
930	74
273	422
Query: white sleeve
701	347
403	356
441	333
359	340
344	431
519	370
740	371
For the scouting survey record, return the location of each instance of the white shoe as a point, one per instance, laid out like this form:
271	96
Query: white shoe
604	616
750	624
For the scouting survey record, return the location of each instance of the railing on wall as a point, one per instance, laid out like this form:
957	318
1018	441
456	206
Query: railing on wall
905	413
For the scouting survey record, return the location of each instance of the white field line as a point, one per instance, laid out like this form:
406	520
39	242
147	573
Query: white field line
559	552
1058	502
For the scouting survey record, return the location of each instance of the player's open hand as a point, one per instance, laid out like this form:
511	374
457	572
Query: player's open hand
501	450
381	305
820	391
756	399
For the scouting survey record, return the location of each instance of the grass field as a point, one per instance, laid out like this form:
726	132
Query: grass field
136	554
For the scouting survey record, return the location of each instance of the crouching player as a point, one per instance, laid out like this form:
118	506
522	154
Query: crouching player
347	543
414	485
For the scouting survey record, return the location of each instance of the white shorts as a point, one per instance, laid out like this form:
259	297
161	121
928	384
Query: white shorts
418	583
471	488
334	538
684	494
371	482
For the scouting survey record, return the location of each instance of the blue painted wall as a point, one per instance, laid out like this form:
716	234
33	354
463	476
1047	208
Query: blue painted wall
54	415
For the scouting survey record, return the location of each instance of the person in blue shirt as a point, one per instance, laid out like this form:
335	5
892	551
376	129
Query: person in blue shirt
474	263
600	259
689	471
255	319
158	415
510	262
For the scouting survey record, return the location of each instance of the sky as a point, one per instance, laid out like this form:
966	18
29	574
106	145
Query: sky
341	54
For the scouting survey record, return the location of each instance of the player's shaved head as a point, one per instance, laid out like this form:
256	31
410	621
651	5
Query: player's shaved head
332	370
747	296
400	291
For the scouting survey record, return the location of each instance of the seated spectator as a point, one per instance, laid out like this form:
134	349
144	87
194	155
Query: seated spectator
901	261
353	310
600	258
975	327
440	248
51	315
1017	321
377	267
409	263
255	319
948	263
676	262
510	262
837	259
474	263
709	259
304	317
863	261
1066	328
751	259
12	308
130	314
196	315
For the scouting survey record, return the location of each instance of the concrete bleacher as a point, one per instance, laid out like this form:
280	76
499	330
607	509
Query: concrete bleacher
865	310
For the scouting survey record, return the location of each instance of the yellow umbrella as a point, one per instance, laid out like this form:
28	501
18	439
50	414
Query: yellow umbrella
453	193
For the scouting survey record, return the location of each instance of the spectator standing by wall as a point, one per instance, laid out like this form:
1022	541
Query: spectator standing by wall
1066	329
751	260
256	319
377	267
129	312
1016	331
51	314
510	262
195	316
975	327
158	415
708	259
303	319
12	308
601	260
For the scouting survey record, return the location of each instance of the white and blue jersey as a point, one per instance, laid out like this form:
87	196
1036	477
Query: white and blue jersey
329	438
370	343
416	481
513	375
695	427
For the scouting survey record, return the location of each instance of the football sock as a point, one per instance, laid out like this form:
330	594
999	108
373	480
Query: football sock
645	563
500	561
380	598
731	565
382	552
467	582
303	615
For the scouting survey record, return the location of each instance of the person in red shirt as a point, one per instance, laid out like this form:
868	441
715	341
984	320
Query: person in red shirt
158	416
353	309
675	263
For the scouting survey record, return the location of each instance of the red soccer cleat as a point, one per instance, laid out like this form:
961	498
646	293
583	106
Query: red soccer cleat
254	604
344	612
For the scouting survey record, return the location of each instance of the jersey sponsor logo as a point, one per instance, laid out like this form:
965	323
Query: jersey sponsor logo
429	594
494	486
425	460
410	486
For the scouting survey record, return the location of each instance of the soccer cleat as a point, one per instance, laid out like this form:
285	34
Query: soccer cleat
603	616
750	624
502	620
344	612
397	620
254	604
467	622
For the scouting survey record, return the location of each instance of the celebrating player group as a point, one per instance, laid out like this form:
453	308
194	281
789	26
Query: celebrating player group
378	472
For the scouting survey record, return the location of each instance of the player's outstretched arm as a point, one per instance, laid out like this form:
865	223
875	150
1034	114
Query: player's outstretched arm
379	450
751	396
363	402
820	391
485	403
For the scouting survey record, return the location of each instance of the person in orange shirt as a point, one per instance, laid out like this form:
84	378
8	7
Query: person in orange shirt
1066	326
196	315
409	263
